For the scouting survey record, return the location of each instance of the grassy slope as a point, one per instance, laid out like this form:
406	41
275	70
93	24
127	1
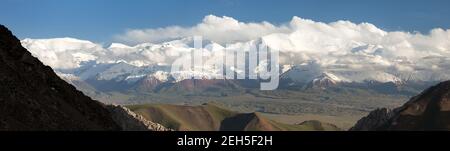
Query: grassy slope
211	117
205	117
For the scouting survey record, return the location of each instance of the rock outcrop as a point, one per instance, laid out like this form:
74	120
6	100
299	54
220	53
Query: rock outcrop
130	121
428	111
376	119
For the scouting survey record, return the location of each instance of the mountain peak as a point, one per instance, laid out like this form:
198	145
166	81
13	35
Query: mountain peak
329	76
324	81
119	46
427	111
7	42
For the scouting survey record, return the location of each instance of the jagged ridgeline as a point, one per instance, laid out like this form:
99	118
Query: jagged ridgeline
33	97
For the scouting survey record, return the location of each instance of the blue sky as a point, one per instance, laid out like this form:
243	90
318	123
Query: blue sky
100	20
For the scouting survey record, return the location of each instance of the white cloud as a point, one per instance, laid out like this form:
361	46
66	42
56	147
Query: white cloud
336	46
62	52
222	30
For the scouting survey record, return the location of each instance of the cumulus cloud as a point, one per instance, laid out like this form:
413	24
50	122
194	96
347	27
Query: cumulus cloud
302	35
336	46
222	30
62	52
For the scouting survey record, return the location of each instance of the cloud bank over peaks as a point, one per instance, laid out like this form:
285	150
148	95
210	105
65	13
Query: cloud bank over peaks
63	52
343	48
222	30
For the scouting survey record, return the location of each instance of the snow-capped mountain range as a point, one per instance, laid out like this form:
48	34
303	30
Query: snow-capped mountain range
86	60
340	51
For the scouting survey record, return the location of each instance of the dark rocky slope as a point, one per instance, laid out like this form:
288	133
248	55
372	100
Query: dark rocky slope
428	111
33	97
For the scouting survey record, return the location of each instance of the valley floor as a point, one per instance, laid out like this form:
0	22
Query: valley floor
342	109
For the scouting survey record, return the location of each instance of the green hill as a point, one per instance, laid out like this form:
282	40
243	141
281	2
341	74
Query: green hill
211	117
